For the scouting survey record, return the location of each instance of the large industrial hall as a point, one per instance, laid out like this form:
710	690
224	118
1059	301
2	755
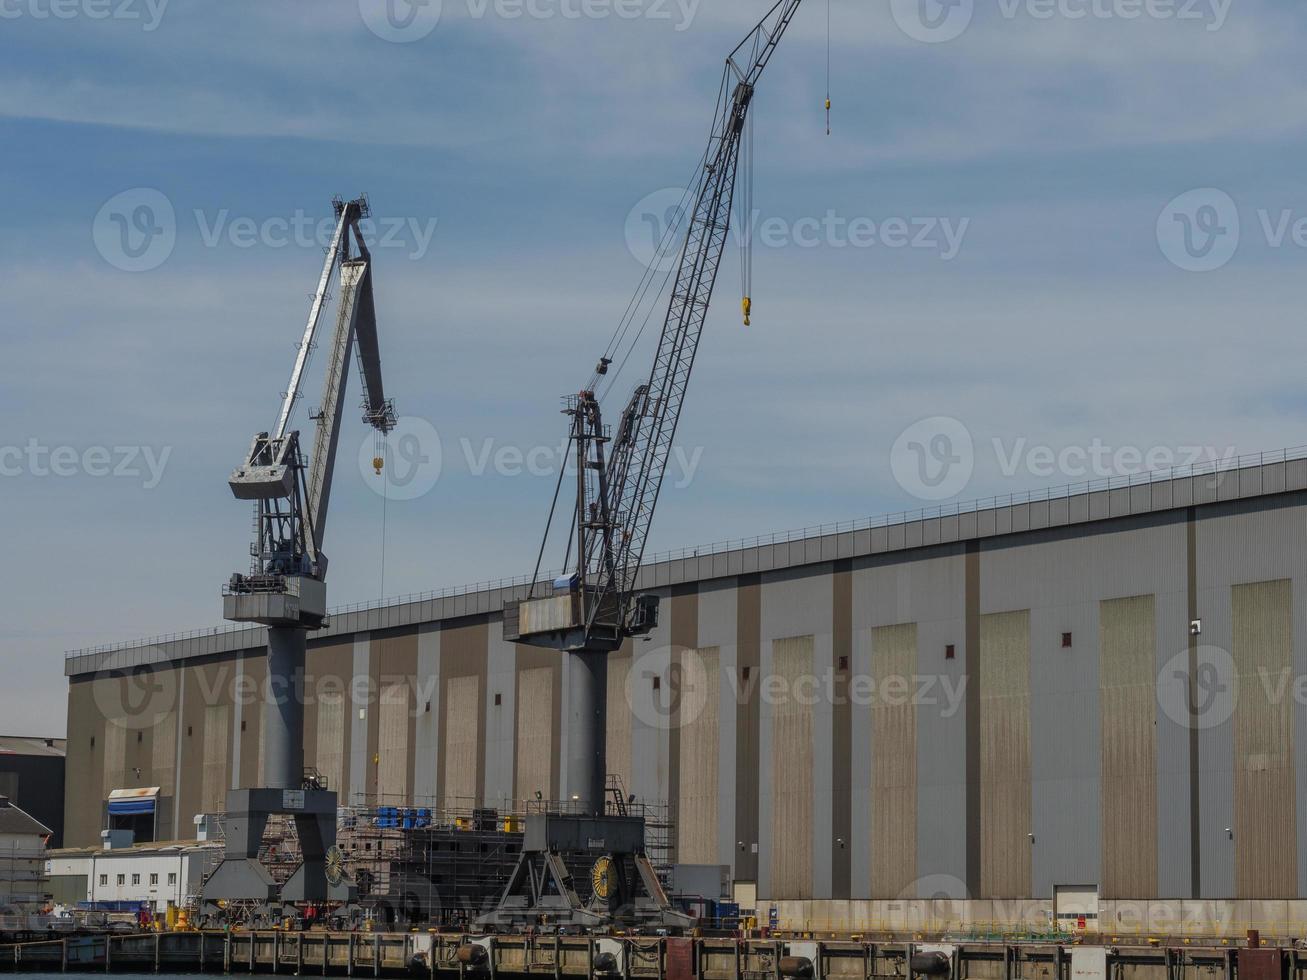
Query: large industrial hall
1005	721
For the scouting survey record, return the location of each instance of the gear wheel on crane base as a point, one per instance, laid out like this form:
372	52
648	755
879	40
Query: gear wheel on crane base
601	877
335	866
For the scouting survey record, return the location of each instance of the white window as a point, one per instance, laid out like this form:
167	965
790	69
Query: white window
136	879
104	881
172	877
154	879
122	880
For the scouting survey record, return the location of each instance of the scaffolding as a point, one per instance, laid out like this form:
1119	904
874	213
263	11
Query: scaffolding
419	863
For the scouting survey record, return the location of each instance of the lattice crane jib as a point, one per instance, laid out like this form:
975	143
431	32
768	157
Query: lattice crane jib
620	471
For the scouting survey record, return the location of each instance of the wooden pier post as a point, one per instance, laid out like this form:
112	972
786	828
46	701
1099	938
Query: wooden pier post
299	954
376	954
226	951
349	968
63	955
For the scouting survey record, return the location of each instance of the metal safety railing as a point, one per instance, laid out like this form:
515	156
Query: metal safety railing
1215	467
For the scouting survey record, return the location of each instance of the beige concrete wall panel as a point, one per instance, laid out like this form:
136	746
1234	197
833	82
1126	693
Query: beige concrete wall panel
1005	755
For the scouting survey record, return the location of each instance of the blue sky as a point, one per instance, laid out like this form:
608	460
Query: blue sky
1058	141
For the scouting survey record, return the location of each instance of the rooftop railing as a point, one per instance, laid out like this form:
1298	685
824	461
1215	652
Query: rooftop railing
1125	481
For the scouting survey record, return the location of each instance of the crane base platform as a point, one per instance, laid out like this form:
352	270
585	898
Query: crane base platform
622	886
241	877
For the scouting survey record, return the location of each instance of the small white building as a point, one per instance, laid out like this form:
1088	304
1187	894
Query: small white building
23	843
159	875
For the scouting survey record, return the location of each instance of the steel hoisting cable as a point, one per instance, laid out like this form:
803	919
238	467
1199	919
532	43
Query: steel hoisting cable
535	575
381	449
671	238
746	221
828	34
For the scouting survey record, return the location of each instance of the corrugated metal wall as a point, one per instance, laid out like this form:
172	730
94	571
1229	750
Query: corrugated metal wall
699	758
393	767
1127	632
462	704
535	728
1005	755
1265	809
216	743
791	765
893	756
330	753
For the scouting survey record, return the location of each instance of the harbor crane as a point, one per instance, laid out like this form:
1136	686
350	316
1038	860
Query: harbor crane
593	608
285	589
